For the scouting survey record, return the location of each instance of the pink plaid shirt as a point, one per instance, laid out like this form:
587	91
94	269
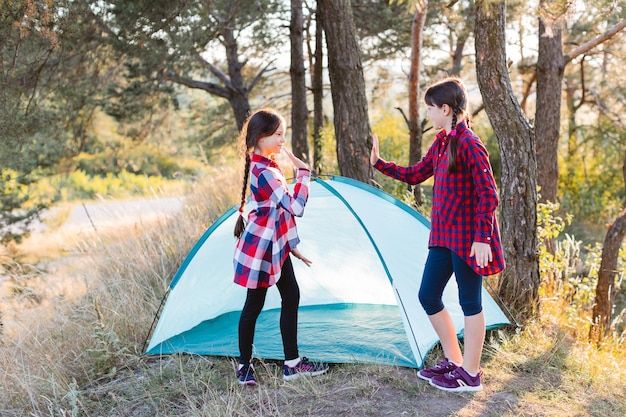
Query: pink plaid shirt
270	232
464	202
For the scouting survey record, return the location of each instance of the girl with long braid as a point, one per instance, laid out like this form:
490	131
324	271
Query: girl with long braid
464	237
266	240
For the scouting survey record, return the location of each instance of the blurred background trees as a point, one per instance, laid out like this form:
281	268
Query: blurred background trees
91	90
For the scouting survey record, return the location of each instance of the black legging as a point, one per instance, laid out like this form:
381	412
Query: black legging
255	299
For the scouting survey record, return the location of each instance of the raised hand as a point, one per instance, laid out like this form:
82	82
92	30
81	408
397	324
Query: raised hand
375	155
299	163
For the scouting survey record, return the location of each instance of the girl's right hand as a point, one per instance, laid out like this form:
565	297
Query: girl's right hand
375	155
299	163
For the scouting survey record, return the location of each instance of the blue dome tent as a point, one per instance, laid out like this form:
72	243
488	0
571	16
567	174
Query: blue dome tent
358	299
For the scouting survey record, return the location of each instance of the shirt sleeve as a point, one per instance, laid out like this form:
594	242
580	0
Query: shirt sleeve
272	188
486	189
414	174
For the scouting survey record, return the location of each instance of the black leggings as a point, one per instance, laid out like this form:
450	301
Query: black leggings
290	296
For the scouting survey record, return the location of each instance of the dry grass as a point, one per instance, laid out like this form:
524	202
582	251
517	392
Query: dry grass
72	346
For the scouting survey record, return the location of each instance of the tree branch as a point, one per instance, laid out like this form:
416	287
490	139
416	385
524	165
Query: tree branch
257	77
584	48
406	119
478	110
221	75
604	109
527	90
38	73
201	85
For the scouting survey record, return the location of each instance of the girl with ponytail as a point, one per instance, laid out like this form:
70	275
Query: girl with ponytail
266	240
464	236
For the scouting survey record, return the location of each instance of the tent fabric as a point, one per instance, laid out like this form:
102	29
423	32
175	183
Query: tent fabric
358	299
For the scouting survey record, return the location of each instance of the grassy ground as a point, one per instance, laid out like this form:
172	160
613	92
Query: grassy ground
75	326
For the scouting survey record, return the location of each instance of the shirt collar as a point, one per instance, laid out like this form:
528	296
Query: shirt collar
255	157
460	127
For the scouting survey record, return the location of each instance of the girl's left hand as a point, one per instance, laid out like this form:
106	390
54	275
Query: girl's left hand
482	252
298	255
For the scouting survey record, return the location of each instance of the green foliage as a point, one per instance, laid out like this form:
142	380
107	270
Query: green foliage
80	185
51	63
393	140
383	29
482	128
591	184
108	353
591	156
555	265
18	207
569	271
550	226
328	164
161	41
14	192
138	160
211	130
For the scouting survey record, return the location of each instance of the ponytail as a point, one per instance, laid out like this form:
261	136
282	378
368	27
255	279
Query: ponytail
452	146
241	223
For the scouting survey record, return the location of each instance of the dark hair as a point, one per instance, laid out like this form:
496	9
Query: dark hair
450	91
260	124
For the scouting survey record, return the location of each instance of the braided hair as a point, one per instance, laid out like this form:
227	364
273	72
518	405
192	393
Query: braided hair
450	91
260	124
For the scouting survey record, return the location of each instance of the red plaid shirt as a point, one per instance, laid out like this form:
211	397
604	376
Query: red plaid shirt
464	202
270	232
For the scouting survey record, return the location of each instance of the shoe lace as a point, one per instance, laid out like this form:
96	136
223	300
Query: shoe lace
453	374
246	370
305	364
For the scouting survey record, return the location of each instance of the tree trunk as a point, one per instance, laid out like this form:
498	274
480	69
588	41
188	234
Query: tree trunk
238	93
351	120
571	120
463	30
299	112
519	283
550	66
457	55
318	96
415	127
605	289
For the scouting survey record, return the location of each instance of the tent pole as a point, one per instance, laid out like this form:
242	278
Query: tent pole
154	320
502	304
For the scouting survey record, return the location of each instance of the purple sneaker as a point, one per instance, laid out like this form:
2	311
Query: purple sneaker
457	381
245	374
441	368
304	368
